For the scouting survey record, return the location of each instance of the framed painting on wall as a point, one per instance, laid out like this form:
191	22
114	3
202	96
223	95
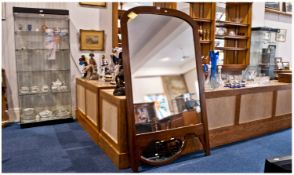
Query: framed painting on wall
281	35
273	5
288	7
93	4
92	40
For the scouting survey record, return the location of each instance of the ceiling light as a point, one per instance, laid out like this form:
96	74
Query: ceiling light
165	59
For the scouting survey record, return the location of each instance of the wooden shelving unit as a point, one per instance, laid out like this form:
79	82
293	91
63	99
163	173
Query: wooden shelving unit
204	14
236	48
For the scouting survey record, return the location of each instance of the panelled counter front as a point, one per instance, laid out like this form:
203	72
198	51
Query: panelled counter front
233	115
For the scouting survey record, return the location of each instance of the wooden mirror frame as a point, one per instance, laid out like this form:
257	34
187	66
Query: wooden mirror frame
137	142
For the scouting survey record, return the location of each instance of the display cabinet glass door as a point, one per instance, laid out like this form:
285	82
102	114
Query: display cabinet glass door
43	66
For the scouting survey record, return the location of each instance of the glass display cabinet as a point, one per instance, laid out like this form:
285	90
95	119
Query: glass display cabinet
263	50
42	54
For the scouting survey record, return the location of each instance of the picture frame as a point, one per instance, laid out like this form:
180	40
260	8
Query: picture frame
92	40
281	35
278	60
288	7
273	5
93	4
144	112
286	65
160	104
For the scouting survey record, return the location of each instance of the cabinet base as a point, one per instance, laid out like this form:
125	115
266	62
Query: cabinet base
48	122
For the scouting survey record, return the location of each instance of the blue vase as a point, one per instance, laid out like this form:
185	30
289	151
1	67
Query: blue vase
214	83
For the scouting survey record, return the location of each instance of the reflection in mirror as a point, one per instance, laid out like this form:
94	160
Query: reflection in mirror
164	77
162	150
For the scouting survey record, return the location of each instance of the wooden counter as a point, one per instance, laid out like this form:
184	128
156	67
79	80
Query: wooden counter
233	115
87	97
103	116
238	114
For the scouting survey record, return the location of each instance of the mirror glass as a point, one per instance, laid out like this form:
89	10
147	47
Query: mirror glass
164	77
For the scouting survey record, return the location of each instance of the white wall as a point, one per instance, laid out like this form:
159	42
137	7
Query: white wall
145	86
81	17
260	18
284	49
192	83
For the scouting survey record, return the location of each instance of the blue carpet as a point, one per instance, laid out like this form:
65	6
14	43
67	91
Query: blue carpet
68	148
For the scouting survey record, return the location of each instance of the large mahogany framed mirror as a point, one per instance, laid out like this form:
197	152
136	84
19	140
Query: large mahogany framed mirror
164	84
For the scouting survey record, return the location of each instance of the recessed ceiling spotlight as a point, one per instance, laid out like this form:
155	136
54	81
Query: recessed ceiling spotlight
165	59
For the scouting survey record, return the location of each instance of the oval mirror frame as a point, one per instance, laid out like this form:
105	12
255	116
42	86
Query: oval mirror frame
137	142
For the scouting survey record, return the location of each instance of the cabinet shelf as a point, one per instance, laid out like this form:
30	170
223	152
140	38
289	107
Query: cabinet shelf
58	50
43	70
233	67
231	48
35	33
202	20
237	37
205	41
28	123
229	23
43	93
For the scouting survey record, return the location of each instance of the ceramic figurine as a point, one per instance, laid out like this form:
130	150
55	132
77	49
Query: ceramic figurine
115	56
83	63
120	79
91	68
104	61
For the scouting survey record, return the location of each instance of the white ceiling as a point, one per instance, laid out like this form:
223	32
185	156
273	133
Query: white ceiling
158	45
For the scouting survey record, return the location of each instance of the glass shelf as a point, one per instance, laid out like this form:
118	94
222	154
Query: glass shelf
43	93
21	32
42	59
42	70
58	50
